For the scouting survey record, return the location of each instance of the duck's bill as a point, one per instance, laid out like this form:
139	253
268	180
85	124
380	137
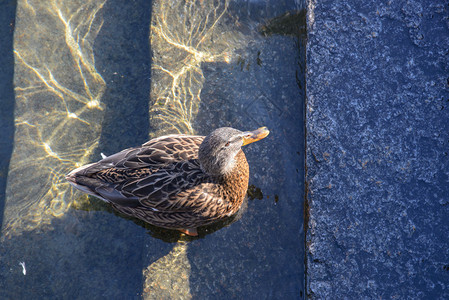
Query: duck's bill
254	136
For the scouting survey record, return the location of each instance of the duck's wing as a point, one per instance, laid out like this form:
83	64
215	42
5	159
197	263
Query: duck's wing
162	174
180	187
170	197
155	153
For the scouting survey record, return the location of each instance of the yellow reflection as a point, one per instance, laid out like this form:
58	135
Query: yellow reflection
58	110
168	277
185	34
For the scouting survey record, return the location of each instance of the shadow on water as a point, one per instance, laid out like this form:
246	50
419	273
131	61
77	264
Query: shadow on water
74	254
7	21
245	71
123	58
124	31
264	86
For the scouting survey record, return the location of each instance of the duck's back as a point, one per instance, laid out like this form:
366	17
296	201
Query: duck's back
162	183
130	166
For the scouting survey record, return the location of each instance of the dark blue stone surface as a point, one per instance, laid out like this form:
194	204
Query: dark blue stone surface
377	150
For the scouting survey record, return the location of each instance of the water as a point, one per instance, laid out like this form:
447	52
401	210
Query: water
95	77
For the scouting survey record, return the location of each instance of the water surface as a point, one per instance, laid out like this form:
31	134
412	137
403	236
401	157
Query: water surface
95	77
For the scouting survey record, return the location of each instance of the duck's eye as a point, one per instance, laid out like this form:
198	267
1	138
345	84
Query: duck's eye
227	144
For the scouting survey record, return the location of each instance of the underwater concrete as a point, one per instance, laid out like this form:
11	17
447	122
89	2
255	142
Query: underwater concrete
377	150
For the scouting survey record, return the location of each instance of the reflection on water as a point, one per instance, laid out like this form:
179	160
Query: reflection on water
168	277
184	35
58	107
58	123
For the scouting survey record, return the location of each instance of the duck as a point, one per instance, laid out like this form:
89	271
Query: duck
174	181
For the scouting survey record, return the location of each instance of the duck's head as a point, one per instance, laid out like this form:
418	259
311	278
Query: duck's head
218	150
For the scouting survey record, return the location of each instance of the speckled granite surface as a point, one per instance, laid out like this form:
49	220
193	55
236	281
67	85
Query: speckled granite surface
377	150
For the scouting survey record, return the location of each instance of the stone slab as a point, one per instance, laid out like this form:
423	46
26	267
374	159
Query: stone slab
377	150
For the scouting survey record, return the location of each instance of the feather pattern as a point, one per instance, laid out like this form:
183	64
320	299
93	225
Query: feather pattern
162	182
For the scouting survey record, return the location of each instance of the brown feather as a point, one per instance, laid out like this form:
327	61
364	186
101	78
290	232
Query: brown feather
163	184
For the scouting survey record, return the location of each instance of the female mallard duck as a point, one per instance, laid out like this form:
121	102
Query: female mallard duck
174	181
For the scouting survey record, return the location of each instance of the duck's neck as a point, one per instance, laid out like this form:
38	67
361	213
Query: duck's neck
235	183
